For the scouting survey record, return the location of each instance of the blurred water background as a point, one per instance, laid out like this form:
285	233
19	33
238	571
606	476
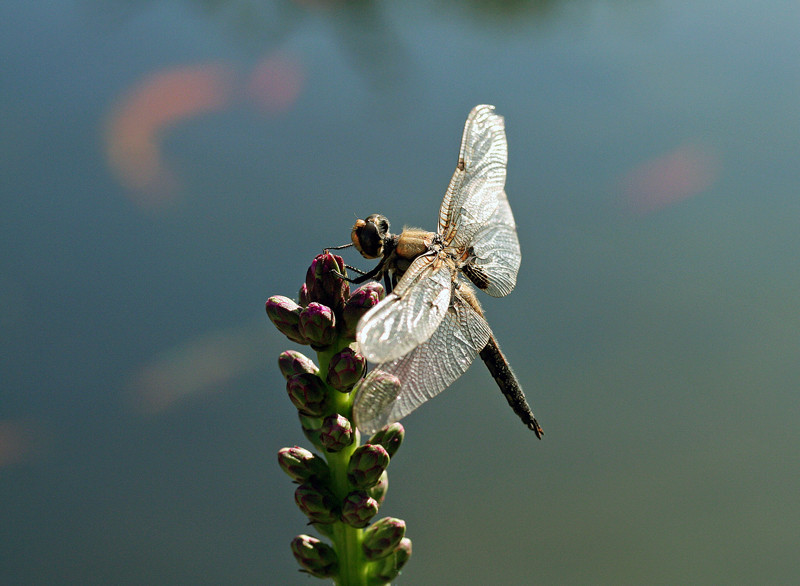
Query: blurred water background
169	164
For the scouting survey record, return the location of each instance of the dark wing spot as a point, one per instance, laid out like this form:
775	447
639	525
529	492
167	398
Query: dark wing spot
461	165
477	275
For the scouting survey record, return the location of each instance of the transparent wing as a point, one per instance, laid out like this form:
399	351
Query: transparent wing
394	389
472	196
409	315
496	249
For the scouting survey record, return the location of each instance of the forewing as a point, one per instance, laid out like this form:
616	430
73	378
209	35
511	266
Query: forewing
394	389
472	196
496	249
409	315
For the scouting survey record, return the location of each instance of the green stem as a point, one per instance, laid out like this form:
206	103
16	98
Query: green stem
346	539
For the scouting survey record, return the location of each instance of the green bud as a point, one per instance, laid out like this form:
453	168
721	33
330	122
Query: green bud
292	362
318	325
308	393
387	569
366	465
314	556
390	437
311	427
361	301
322	283
345	369
336	433
317	503
301	465
285	314
383	537
358	508
378	492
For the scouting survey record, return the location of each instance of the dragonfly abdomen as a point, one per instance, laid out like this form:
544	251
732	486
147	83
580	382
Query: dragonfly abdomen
501	371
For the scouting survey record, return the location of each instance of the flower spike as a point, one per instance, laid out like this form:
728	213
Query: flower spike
341	487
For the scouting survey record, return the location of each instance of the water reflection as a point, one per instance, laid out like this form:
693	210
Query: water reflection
505	9
685	171
144	113
275	83
197	367
20	441
253	15
153	106
366	30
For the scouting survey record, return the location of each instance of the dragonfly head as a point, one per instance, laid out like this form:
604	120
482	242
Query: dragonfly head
369	235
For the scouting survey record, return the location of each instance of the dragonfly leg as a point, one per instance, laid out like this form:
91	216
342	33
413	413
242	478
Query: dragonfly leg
363	276
355	269
388	282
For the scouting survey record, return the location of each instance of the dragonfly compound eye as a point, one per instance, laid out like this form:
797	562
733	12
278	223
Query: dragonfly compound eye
368	235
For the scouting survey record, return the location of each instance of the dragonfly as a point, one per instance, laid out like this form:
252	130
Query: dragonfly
430	327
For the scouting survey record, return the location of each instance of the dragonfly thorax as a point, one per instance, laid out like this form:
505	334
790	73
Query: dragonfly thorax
414	242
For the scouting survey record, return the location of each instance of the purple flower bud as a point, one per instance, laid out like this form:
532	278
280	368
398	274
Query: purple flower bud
378	492
292	362
358	508
390	437
336	433
387	569
318	325
404	548
314	556
345	369
317	503
311	427
308	393
322	283
303	296
361	301
366	465
285	314
383	537
301	465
